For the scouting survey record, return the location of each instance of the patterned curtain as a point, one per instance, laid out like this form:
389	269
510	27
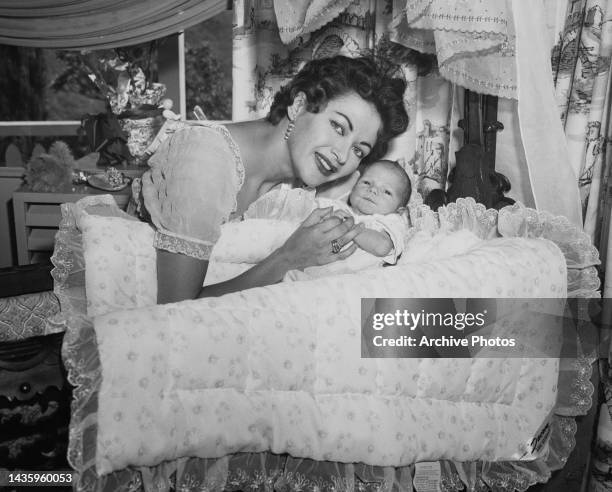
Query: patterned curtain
581	67
268	51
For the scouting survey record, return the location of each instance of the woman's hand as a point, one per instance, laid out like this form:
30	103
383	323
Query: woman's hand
311	243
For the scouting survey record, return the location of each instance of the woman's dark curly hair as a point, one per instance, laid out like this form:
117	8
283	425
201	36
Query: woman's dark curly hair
326	78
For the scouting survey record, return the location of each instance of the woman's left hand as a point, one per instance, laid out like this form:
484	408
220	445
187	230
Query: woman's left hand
322	238
310	245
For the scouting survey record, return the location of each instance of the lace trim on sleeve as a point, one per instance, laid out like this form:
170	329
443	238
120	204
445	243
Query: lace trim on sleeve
176	244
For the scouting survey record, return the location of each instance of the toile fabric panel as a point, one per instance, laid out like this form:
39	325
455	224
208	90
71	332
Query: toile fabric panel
581	68
97	24
263	63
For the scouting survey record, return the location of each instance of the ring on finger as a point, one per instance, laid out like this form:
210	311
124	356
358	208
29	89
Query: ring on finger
335	246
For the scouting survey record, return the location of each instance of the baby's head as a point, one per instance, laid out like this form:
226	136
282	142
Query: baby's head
383	188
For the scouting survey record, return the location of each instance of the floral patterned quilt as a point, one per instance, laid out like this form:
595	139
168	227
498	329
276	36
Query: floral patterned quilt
279	368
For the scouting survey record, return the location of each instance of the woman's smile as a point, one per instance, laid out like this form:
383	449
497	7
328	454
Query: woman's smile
325	166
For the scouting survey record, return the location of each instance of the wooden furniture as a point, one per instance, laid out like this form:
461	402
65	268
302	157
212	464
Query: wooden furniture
34	394
474	173
11	178
34	404
37	216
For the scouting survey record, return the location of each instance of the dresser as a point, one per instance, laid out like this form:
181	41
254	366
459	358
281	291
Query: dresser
37	216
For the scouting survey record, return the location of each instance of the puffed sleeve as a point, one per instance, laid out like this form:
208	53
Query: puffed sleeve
191	188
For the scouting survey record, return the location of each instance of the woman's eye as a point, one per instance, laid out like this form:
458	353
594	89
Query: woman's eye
358	152
338	128
387	192
365	182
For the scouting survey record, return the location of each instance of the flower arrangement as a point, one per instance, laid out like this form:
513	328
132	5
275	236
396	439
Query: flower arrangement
123	82
136	102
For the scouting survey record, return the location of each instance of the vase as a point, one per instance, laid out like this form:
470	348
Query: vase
140	133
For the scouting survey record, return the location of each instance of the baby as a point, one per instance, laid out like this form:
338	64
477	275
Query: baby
376	201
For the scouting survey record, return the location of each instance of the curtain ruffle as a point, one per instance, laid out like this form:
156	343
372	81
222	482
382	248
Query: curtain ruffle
517	221
265	471
473	41
298	17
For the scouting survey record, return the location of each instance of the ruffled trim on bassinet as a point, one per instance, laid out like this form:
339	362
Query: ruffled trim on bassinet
516	221
264	471
79	348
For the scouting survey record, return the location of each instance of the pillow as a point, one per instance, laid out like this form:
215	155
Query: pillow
121	263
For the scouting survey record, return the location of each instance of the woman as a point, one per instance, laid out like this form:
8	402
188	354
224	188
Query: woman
332	115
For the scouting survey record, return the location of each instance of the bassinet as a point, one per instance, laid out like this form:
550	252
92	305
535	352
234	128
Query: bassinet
263	469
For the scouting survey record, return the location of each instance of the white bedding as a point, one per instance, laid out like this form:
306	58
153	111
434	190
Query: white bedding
279	368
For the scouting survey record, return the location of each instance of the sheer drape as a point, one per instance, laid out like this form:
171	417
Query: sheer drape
97	24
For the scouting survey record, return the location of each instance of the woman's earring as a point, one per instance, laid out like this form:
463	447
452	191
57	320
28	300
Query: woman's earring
289	129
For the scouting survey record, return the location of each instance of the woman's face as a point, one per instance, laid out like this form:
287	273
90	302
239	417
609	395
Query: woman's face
328	145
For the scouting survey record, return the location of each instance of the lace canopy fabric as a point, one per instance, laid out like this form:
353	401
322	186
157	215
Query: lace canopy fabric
296	17
473	40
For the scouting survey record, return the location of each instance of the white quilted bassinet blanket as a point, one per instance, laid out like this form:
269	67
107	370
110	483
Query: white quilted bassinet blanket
279	368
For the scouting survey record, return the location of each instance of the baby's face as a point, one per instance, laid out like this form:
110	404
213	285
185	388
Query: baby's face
378	191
